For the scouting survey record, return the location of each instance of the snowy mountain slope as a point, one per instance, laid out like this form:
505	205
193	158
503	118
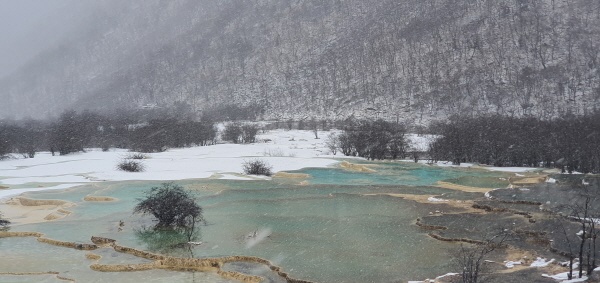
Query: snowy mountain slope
326	59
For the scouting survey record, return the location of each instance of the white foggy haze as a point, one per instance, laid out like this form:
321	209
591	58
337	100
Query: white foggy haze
28	27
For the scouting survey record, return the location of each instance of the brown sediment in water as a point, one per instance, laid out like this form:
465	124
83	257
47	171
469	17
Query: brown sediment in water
64	278
462	240
520	202
72	245
240	277
41	202
56	274
185	264
99	198
101	241
528	180
53	216
58	214
29	273
3	187
160	261
430	227
123	267
468	189
466	205
356	167
287	175
7	234
28	211
138	253
40	237
93	256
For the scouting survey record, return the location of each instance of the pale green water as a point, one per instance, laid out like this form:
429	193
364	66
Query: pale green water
326	231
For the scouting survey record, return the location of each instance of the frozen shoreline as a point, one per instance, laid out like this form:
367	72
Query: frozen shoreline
284	150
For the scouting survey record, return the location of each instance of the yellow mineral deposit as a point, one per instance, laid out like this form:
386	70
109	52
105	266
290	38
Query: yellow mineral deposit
287	175
99	199
28	211
356	167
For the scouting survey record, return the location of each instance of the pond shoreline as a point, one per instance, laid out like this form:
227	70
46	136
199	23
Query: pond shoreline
305	180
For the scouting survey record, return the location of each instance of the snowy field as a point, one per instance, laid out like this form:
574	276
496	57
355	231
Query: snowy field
284	150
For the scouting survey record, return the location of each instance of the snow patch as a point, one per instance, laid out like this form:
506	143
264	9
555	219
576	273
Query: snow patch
435	280
564	277
511	169
541	262
511	264
10	193
434	199
419	142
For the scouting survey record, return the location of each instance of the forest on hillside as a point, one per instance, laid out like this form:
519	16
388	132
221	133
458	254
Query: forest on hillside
407	60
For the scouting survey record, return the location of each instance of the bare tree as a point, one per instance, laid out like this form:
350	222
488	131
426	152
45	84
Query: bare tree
585	212
471	258
333	143
314	126
570	253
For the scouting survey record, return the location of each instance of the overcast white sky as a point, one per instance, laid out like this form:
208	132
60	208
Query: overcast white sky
27	27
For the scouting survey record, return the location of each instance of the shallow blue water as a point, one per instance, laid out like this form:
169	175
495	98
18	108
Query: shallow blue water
389	173
326	231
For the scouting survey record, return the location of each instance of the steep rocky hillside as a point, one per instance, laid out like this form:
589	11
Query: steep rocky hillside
410	59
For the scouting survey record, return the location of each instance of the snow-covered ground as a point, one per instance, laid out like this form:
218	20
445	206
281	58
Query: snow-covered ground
284	150
419	142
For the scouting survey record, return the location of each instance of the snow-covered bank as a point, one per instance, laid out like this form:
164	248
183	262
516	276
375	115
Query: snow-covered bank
9	193
284	150
472	165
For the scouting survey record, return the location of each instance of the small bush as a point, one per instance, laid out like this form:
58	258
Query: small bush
137	156
232	132
249	133
274	152
3	223
257	167
277	152
130	165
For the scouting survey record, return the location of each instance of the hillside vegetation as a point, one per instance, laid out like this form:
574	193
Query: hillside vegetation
396	60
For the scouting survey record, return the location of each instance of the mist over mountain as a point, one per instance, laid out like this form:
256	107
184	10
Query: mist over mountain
408	60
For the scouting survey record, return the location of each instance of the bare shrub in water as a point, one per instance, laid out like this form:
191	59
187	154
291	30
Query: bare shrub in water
3	223
171	205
